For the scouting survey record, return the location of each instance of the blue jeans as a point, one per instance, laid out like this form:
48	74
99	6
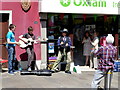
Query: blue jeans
11	58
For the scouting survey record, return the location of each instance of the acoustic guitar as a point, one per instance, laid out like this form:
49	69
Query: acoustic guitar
24	42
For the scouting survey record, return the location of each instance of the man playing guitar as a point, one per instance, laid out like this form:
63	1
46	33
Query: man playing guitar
30	40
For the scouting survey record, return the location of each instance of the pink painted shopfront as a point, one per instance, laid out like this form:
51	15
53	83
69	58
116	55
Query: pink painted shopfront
14	12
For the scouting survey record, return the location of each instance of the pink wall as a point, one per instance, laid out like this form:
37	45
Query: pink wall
23	20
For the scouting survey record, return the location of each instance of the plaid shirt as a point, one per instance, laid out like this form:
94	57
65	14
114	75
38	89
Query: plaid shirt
107	56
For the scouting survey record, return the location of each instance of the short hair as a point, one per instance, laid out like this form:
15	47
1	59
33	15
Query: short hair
11	26
30	28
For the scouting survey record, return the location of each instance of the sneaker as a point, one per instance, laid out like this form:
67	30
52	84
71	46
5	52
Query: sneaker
11	73
29	69
20	69
100	88
68	72
16	71
54	70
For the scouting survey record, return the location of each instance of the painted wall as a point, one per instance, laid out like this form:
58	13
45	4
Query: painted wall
23	20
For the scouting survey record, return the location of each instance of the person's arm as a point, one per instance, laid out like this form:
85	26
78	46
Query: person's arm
94	43
69	42
9	42
115	52
99	51
21	36
84	40
58	42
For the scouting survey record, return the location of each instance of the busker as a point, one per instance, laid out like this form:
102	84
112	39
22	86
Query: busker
29	47
64	43
11	43
107	56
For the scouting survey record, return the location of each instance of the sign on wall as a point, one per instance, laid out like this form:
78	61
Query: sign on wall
81	6
51	47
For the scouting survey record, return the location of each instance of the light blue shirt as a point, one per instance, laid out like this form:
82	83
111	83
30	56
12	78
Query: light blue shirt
10	35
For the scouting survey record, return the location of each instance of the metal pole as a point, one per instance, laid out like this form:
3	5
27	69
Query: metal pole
107	81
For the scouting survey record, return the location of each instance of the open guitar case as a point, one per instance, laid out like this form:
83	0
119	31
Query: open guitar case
42	72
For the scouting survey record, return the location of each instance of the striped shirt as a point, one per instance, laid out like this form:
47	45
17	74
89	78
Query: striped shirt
107	56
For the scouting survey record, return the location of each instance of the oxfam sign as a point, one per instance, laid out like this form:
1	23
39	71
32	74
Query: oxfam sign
86	3
65	3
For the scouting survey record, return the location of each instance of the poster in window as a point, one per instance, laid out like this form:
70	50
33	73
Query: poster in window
51	47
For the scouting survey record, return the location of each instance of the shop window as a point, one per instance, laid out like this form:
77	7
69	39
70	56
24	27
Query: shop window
55	24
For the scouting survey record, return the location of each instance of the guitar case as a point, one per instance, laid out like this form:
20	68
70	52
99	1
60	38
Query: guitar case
43	72
25	72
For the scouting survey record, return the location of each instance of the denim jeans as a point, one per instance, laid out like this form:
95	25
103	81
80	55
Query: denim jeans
11	58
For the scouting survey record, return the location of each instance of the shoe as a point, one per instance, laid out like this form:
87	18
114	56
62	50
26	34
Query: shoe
95	68
68	72
11	73
16	71
54	70
100	88
29	69
20	69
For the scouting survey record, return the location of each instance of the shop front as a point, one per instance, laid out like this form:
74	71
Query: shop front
78	16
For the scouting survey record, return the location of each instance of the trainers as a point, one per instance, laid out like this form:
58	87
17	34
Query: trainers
54	70
29	69
11	73
20	69
68	72
16	71
100	88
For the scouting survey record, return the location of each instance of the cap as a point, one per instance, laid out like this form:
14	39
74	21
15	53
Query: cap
65	30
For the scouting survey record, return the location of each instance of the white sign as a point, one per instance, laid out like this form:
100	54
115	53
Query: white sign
81	6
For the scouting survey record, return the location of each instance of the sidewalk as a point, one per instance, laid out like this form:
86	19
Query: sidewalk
57	80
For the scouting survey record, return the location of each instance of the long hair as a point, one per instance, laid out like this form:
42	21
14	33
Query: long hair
86	37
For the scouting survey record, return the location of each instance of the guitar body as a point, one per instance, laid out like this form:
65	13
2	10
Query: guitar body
25	42
22	44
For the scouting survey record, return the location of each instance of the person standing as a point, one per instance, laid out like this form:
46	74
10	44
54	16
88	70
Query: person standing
30	47
107	56
11	43
64	43
95	47
87	46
